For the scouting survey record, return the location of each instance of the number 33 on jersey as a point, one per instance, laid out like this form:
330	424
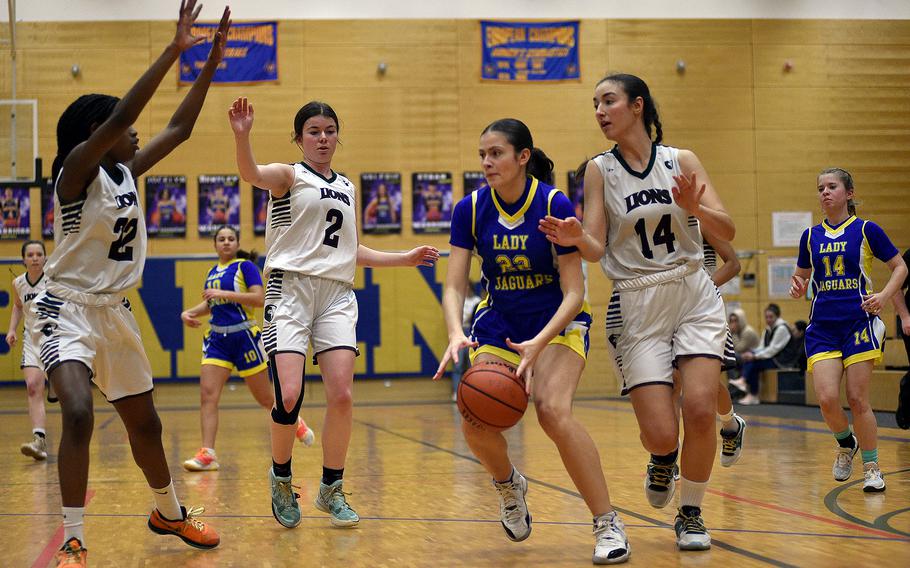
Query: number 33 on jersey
322	239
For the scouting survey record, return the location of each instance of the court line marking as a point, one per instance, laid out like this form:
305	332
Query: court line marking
881	523
658	523
56	541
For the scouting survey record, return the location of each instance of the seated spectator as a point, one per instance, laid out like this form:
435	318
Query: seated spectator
745	338
799	341
776	339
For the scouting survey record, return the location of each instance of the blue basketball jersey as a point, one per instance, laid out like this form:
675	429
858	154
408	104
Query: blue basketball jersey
235	276
519	265
841	261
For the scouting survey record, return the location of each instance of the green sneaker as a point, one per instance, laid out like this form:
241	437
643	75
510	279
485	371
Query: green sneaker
331	500
284	501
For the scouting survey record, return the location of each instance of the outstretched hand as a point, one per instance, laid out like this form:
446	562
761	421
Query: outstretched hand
216	54
529	350
424	255
456	344
184	38
240	116
564	232
687	192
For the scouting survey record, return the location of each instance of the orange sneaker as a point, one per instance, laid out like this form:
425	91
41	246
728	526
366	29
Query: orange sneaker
204	460
305	433
191	530
72	555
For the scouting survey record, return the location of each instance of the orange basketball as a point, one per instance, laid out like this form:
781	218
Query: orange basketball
492	396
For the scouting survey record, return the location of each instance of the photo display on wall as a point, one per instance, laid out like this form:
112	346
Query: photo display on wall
16	207
165	206
473	181
432	202
47	209
381	200
260	210
575	189
219	203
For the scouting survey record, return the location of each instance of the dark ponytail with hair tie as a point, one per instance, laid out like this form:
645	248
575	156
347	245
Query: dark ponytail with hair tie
519	136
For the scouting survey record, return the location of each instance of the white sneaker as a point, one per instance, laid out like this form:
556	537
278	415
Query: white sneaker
304	433
732	444
843	461
513	510
37	448
691	533
204	460
875	481
610	543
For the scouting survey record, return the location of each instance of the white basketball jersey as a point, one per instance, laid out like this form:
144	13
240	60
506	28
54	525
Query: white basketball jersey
26	291
100	239
649	232
313	228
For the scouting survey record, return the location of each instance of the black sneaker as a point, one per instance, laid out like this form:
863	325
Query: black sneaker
660	483
691	533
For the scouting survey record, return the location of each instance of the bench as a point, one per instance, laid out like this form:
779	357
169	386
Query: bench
782	386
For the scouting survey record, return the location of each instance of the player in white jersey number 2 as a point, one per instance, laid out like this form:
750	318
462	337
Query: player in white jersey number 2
312	252
83	327
640	201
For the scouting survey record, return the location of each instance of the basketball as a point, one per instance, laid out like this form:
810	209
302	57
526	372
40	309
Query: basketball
492	396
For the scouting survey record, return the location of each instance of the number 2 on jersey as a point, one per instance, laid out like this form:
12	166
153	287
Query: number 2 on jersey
663	235
125	229
335	218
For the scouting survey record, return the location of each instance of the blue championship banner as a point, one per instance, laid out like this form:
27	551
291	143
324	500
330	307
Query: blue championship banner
250	55
529	51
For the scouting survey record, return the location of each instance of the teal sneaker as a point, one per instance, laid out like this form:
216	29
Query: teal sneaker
331	500
284	501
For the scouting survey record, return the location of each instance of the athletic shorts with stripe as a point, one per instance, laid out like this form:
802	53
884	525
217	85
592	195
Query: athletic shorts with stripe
491	328
650	328
238	349
105	338
301	309
860	340
29	352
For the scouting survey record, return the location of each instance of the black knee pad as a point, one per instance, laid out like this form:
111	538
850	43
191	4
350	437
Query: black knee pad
279	414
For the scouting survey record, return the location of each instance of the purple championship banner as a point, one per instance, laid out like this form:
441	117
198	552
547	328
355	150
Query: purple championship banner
576	192
432	202
165	206
381	198
219	203
250	54
16	207
47	209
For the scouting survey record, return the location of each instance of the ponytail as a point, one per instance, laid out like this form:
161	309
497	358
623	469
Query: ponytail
250	255
540	166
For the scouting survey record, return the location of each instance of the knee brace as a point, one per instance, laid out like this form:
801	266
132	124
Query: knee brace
279	414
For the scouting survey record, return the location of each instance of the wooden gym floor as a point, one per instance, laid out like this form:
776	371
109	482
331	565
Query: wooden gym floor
425	501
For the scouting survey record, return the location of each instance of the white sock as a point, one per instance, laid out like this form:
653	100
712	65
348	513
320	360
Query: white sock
726	420
691	493
166	502
39	431
72	523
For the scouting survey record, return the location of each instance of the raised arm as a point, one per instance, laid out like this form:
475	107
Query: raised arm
276	178
590	238
81	164
702	200
180	127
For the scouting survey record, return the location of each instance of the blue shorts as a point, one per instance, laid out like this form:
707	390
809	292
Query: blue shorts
861	340
491	328
240	349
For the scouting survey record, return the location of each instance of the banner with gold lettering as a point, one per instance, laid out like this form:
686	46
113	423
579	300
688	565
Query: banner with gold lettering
530	51
250	56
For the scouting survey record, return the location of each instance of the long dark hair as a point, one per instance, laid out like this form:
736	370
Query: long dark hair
635	87
250	255
75	124
519	136
26	244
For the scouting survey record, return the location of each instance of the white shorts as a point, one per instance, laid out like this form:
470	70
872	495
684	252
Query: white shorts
103	337
301	309
649	328
29	351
